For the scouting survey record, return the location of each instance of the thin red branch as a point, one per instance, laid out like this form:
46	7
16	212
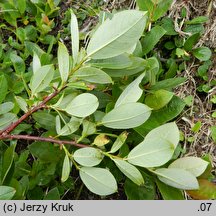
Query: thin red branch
41	139
13	125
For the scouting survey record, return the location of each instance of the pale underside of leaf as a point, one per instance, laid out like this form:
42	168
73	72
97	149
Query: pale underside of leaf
127	116
194	165
74	37
99	52
101	187
132	93
130	171
163	175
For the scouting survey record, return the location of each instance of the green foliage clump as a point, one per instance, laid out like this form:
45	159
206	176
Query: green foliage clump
105	112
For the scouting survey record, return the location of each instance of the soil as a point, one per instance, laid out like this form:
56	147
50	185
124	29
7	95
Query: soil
202	108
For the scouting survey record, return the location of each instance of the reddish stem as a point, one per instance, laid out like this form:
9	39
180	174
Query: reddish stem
13	125
41	139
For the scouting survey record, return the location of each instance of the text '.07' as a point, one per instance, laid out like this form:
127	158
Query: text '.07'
204	207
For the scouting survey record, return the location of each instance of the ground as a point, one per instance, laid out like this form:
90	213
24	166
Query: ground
201	109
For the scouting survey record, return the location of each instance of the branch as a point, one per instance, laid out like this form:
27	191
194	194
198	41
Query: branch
13	125
41	139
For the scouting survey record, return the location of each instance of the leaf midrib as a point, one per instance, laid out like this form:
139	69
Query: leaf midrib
7	119
115	38
128	91
84	105
169	178
120	120
41	78
149	153
135	177
87	173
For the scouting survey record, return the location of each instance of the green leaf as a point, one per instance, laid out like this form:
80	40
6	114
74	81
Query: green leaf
69	127
18	63
145	5
168	83
119	142
6	119
152	38
45	119
208	172
203	69
33	48
21	6
178	178
130	171
196	127
6	193
168	192
191	41
99	181
161	8
158	99
170	45
58	124
157	147
93	75
53	194
198	28
213	133
131	93
194	165
202	53
6	107
88	128
197	20
207	191
168	132
159	117
66	168
118	35
74	37
127	116
22	103
45	151
118	62
138	50
41	79
180	52
7	162
142	192
64	101
138	65
168	25
36	63
83	105
88	156
153	153
152	65
173	69
63	61
3	88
